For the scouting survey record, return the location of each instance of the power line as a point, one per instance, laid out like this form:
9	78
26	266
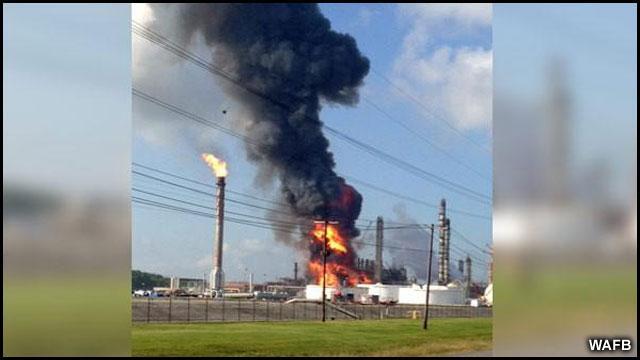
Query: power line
287	223
207	184
423	106
463	253
205	214
225	130
408	198
410	168
268	226
204	192
228	190
425	175
279	222
192	116
464	238
161	41
257	224
423	138
402	225
385	157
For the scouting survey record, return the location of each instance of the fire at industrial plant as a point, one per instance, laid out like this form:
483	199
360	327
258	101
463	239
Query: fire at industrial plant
281	106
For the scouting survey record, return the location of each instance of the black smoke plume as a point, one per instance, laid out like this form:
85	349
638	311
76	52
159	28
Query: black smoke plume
280	62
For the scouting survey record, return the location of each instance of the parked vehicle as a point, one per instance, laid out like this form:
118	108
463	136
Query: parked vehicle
278	296
141	293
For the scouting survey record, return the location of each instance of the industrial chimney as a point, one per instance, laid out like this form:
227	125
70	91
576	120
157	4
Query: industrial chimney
443	250
218	274
220	169
447	242
379	235
467	276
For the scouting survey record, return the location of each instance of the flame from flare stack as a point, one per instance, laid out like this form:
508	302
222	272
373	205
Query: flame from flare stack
218	166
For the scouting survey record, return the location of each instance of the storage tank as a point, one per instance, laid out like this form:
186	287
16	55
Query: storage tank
386	294
438	295
354	293
314	292
413	295
488	295
446	295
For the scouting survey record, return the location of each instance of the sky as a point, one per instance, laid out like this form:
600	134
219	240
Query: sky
439	55
77	84
597	45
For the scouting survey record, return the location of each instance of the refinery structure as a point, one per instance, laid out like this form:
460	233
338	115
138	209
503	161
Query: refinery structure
285	141
333	269
444	291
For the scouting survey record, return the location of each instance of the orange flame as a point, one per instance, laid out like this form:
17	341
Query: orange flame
337	267
335	272
334	240
219	167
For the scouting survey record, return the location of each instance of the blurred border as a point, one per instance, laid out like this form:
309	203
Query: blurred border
66	159
565	178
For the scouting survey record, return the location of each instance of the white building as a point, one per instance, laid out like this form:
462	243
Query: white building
387	294
438	295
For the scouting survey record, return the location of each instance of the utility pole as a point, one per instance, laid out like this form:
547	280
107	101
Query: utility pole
325	223
467	277
379	239
324	269
426	303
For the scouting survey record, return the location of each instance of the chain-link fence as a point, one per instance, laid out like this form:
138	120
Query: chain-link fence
173	309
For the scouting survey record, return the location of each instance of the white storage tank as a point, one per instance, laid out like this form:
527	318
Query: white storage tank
413	295
438	295
386	293
446	295
355	293
314	292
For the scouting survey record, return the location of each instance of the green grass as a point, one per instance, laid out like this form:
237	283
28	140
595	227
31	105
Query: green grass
66	315
566	300
382	338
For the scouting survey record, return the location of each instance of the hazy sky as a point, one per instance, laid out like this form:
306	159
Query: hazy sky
597	45
62	96
440	55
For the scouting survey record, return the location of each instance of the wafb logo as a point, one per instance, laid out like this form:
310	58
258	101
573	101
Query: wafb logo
609	344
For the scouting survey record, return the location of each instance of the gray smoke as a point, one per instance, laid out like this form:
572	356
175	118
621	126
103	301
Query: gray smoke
412	238
281	61
416	262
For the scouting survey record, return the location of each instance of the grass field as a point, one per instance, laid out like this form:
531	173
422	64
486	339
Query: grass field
380	338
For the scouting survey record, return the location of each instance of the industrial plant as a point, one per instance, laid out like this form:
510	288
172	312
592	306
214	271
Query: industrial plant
335	273
285	140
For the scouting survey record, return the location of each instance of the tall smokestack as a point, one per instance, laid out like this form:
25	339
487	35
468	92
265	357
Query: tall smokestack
467	276
442	249
219	168
295	271
379	235
447	242
217	282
